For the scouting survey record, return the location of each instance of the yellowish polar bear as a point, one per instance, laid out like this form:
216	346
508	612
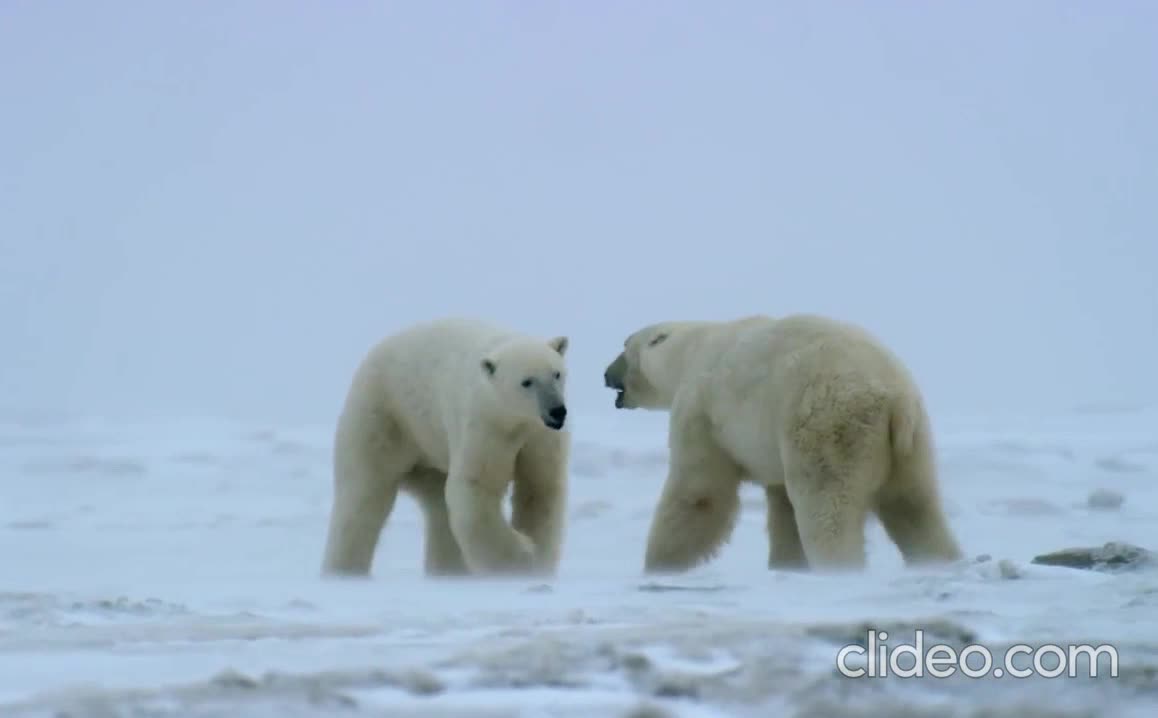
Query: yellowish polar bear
454	412
816	411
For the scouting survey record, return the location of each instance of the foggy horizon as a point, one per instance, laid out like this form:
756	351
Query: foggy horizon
217	210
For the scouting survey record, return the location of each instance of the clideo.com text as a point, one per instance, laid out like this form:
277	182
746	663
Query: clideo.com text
916	660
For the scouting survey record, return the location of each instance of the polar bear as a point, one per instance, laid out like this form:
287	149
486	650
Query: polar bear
814	410
454	412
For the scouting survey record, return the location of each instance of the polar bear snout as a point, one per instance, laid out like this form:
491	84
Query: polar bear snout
556	417
613	378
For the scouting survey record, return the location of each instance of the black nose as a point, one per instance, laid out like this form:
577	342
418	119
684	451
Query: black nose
610	382
558	414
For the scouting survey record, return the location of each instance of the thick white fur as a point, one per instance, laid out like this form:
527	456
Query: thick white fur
440	411
816	411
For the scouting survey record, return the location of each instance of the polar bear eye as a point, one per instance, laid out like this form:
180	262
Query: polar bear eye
527	383
658	338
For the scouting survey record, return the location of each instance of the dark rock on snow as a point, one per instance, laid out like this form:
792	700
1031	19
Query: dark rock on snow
1113	556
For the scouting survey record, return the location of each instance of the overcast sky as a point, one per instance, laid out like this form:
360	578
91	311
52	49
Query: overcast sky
215	208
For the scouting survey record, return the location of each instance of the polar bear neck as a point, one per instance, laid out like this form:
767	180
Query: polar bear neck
697	347
690	353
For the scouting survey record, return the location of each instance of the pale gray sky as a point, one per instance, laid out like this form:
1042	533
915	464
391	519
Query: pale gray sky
212	208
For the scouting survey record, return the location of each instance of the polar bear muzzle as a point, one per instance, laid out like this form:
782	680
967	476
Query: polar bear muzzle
555	417
613	378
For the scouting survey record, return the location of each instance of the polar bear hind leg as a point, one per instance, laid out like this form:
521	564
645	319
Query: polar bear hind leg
831	508
699	504
370	464
835	461
909	506
786	552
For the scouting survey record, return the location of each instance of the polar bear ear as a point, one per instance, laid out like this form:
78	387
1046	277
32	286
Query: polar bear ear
560	345
657	339
488	366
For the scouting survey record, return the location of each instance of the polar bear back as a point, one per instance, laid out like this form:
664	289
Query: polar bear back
762	373
795	349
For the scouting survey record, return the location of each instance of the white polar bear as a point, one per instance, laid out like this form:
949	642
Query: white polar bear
816	411
453	412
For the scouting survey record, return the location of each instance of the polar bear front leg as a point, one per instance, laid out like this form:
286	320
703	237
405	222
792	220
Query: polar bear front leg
700	501
475	488
539	499
442	556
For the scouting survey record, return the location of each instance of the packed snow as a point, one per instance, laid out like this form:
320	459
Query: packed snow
172	569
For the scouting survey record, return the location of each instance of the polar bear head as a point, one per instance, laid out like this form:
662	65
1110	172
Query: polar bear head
649	371
528	377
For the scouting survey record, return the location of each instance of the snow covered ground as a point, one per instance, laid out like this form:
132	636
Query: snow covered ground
172	569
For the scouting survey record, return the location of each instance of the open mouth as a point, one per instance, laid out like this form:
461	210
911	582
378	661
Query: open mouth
612	381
